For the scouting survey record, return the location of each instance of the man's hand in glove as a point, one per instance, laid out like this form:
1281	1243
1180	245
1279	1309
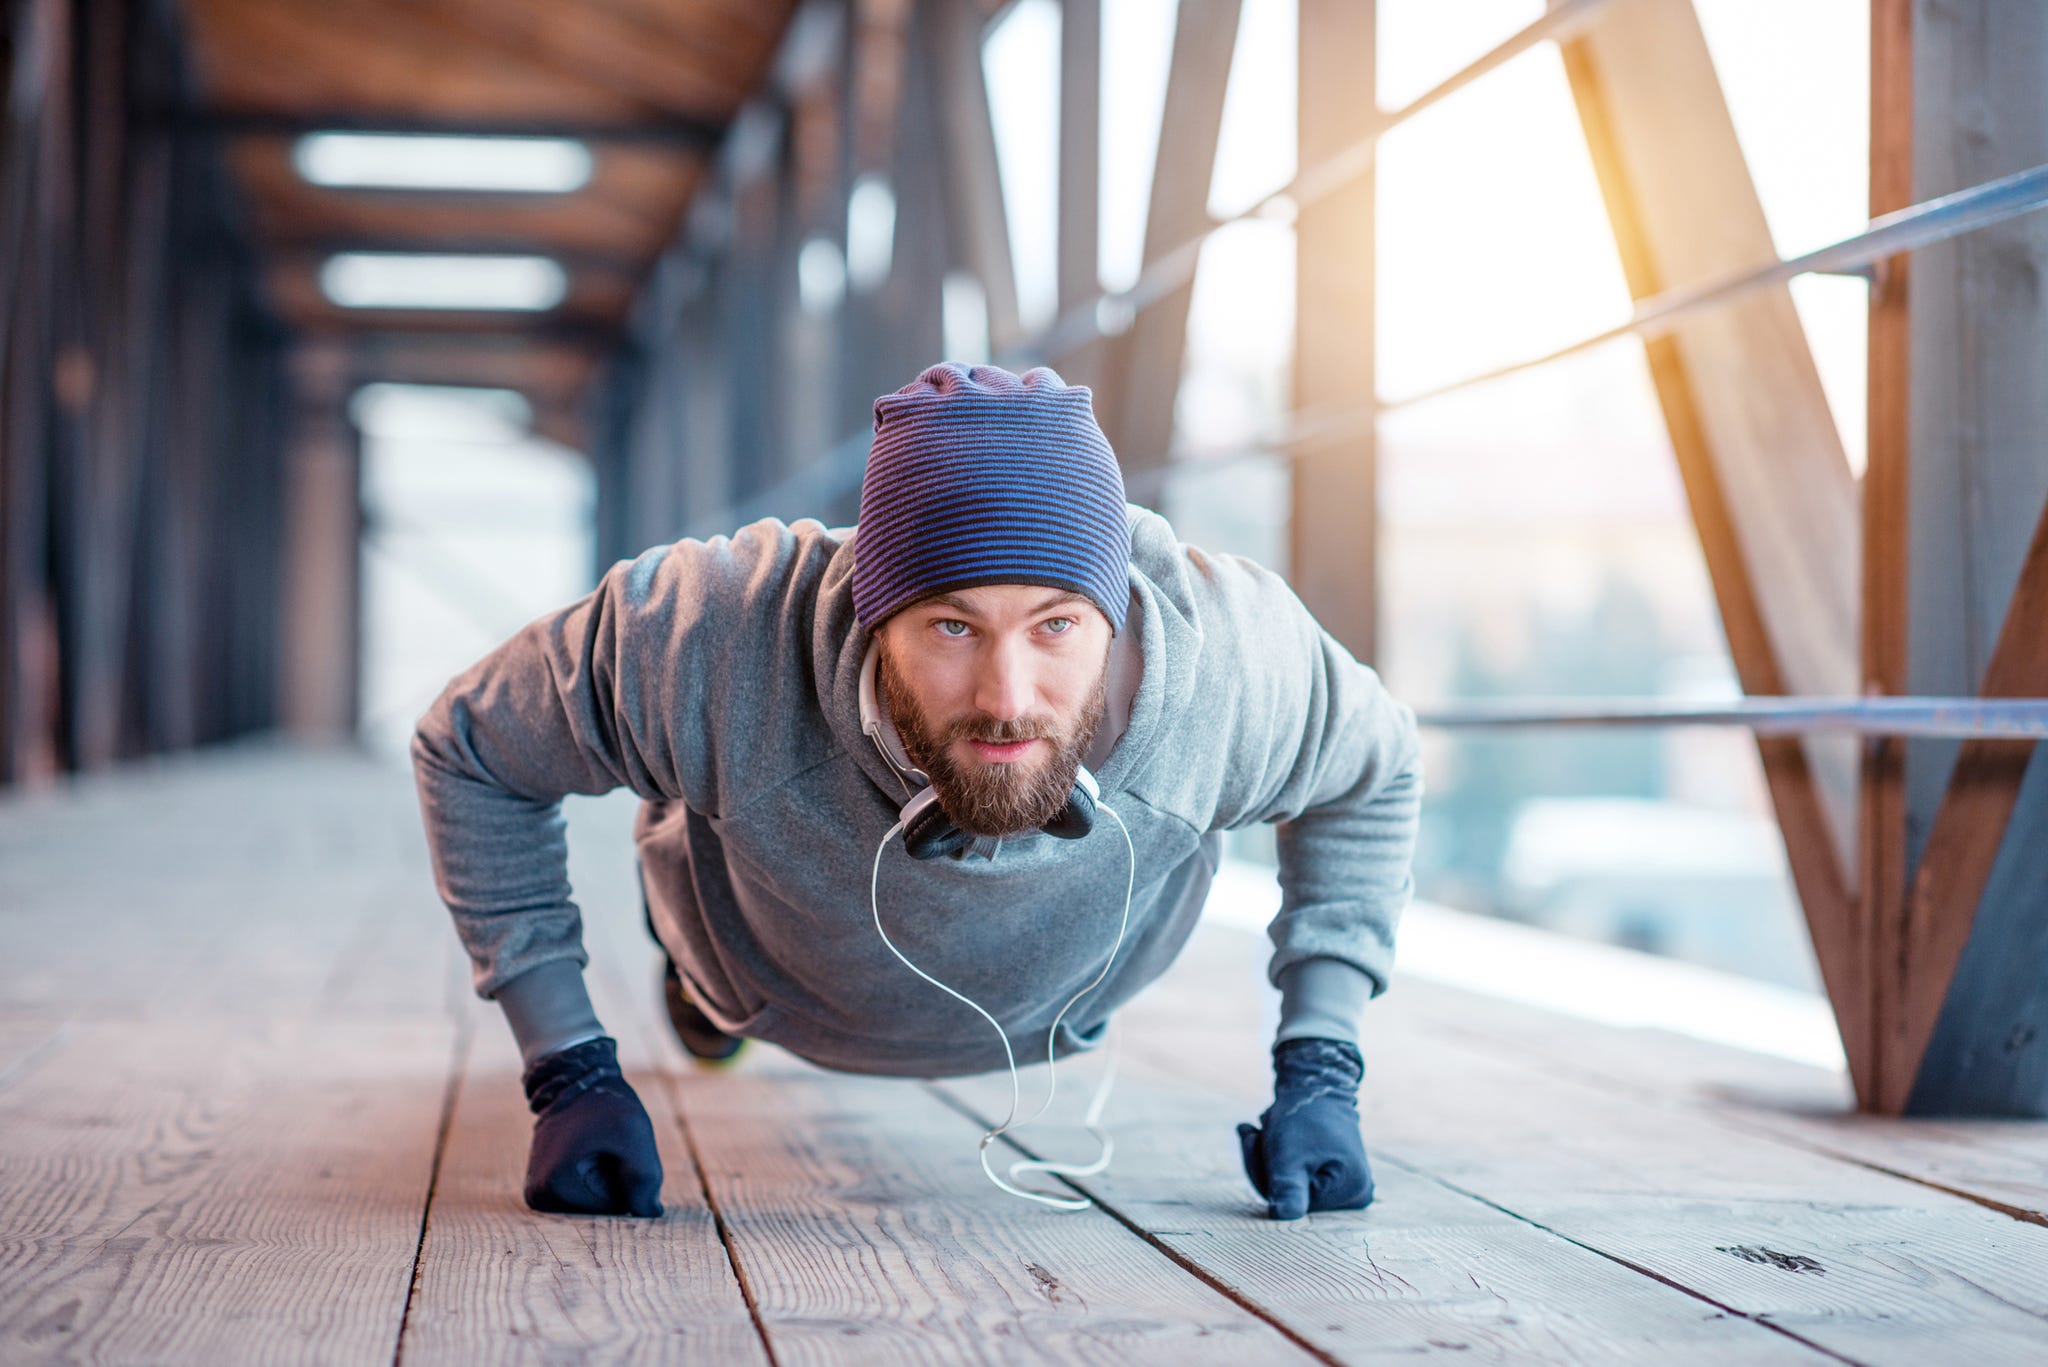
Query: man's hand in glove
1306	1152
593	1145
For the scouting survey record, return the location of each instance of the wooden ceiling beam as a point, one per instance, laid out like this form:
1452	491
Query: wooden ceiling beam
646	62
661	130
629	207
410	61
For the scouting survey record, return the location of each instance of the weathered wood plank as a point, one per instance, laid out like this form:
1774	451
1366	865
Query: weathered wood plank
1427	1268
500	1282
248	885
1858	1262
217	1191
864	1227
2001	1163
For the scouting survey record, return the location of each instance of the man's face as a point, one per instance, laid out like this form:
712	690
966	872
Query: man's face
997	692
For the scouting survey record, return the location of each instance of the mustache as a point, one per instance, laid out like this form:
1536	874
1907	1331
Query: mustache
1002	733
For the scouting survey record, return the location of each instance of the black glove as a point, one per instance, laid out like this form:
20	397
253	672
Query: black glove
1309	1155
593	1145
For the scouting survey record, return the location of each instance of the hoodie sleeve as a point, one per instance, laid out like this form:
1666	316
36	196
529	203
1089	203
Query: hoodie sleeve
608	692
1334	760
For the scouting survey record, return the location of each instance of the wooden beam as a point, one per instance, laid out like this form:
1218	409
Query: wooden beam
1969	829
1080	188
1881	834
980	231
876	60
1151	353
659	130
324	510
1966	1023
1771	492
711	62
1334	525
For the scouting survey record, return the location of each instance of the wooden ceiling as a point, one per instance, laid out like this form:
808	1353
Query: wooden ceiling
650	85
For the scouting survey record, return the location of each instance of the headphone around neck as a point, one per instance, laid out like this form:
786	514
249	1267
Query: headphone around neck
928	832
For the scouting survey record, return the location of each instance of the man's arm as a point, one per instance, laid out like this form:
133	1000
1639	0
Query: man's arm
1339	769
508	738
583	700
1342	778
614	690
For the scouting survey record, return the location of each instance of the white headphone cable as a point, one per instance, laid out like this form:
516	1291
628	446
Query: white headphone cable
1093	1118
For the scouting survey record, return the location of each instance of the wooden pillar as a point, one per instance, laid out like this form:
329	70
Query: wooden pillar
1771	493
1150	355
708	475
1963	1020
1881	834
1080	247
746	284
1334	523
814	206
909	315
980	236
324	515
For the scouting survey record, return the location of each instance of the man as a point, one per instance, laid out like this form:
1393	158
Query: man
1015	619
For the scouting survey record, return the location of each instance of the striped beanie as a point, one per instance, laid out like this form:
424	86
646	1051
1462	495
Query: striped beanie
978	476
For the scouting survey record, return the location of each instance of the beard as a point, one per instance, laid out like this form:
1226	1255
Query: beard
994	799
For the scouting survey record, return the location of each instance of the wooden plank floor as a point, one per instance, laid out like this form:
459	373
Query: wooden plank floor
250	1110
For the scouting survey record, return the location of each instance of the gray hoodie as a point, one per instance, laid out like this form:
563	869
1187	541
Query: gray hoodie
719	680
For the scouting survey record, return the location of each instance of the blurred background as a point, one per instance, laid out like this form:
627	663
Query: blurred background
346	338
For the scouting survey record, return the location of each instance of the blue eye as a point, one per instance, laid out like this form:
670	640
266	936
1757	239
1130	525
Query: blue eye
1068	620
945	622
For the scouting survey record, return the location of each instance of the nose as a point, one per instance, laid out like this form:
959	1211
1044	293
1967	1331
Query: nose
1003	687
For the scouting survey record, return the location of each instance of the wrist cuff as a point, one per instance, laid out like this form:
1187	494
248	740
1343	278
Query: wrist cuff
1322	999
549	1009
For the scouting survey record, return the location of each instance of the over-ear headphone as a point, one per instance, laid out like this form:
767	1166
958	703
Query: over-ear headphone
928	832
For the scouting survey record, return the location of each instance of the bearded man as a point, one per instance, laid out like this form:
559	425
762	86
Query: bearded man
998	651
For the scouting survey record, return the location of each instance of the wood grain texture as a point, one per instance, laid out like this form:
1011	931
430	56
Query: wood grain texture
253	881
1882	855
217	1191
1857	1262
866	1230
1426	1269
500	1282
1999	1163
227	1167
456	58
